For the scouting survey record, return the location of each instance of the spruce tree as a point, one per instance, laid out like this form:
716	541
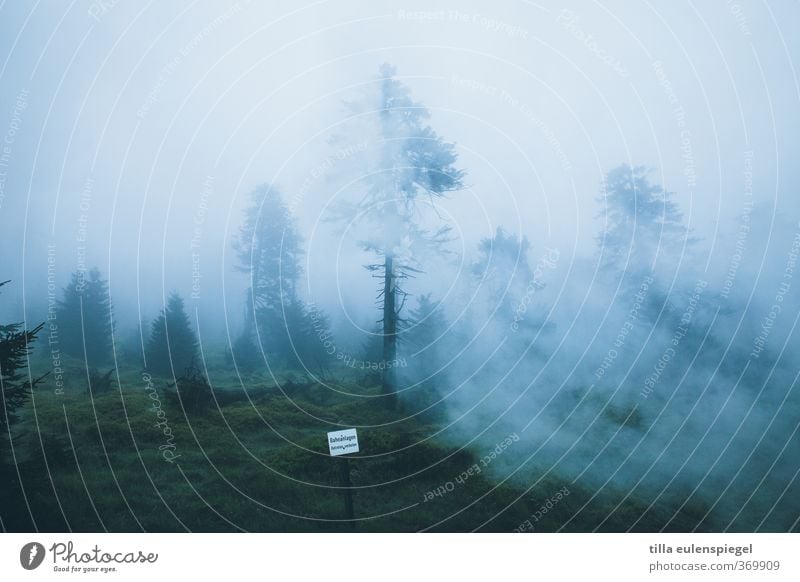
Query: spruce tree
643	224
269	250
409	167
172	346
503	263
15	390
509	287
15	346
644	239
424	350
308	329
85	319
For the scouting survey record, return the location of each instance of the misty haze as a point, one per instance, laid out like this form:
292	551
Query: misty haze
543	260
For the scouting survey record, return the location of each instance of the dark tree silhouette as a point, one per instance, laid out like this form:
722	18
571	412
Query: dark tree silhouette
277	321
16	385
130	347
411	167
268	248
503	265
85	319
424	351
643	224
172	345
644	239
308	329
507	280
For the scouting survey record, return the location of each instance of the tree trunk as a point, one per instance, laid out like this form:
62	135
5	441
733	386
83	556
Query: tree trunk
389	326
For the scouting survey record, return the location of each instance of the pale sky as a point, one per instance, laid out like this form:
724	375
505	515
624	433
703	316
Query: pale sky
122	113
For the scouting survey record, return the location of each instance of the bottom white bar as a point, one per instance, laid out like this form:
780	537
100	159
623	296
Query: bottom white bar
355	557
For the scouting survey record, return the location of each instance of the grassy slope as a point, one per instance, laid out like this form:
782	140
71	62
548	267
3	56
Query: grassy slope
262	465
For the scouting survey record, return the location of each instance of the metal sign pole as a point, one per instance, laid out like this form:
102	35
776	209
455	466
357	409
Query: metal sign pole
340	444
344	478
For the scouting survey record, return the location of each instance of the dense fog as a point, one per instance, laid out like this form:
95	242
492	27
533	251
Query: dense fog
592	213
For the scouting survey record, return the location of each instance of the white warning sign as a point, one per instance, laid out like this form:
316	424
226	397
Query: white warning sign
343	442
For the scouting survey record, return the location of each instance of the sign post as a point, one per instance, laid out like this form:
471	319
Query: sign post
340	444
